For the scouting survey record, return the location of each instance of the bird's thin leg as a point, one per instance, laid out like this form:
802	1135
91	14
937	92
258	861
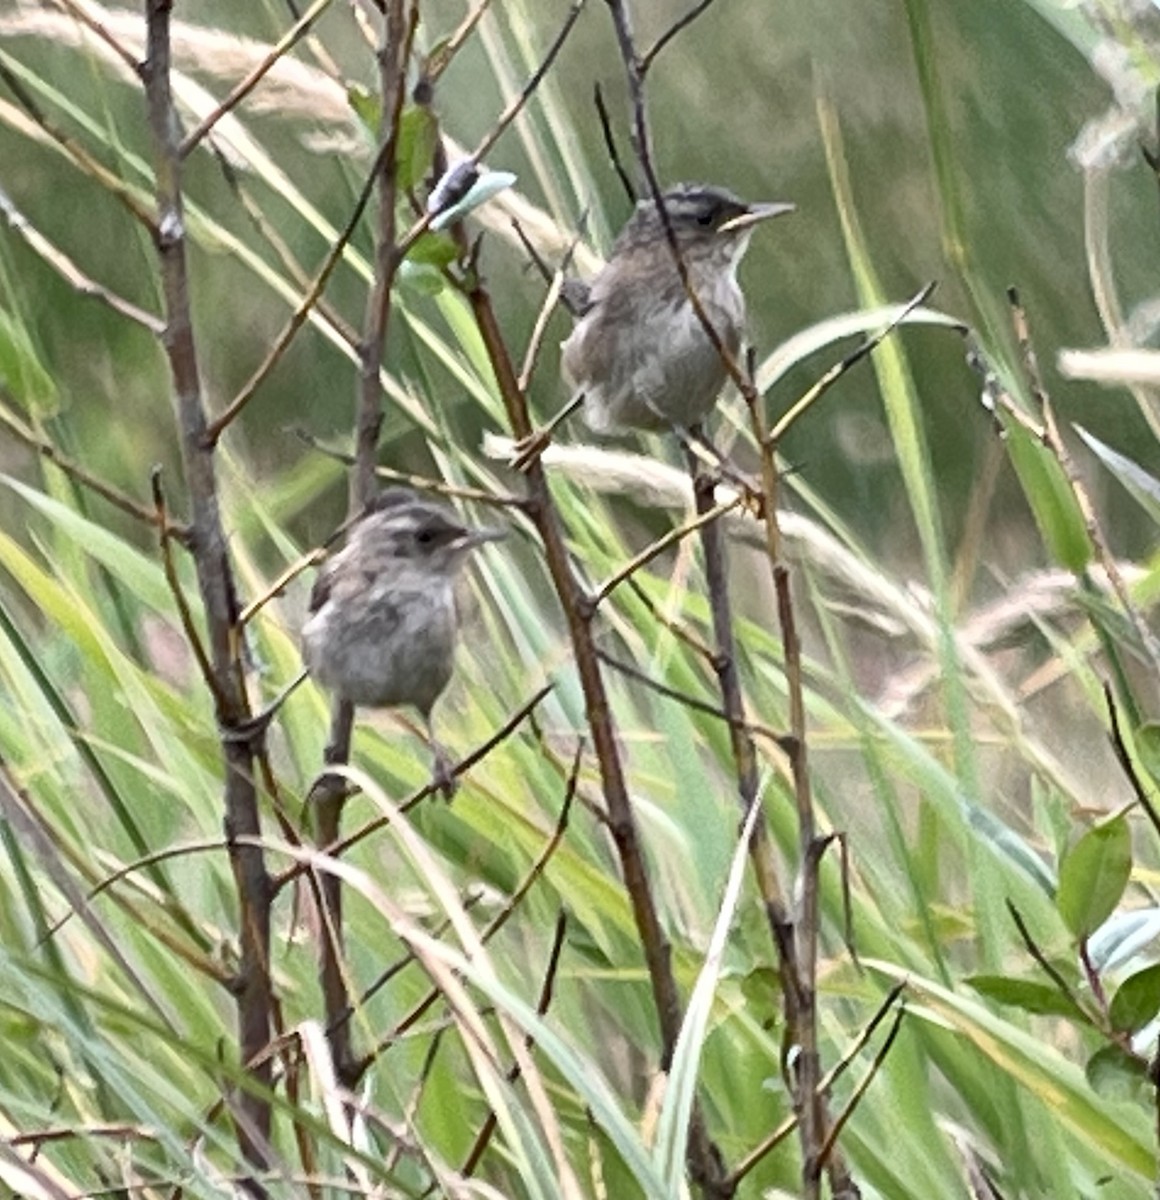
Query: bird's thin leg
529	448
253	727
697	445
442	764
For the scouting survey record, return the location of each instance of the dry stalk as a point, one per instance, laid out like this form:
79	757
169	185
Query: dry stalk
215	580
795	933
398	30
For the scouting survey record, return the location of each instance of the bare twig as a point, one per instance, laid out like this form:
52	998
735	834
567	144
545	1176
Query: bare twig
677	628
770	1143
421	483
74	151
827	381
539	329
576	607
502	917
302	313
678	26
1125	760
398	31
83	17
177	532
184	615
517	103
689	701
294	34
70	272
252	990
859	1091
662	543
487	1129
441	59
610	144
1045	963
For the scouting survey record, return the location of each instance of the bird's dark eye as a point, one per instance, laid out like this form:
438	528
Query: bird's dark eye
705	216
425	537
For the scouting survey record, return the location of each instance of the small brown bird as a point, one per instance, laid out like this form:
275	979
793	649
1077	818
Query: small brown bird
383	625
639	353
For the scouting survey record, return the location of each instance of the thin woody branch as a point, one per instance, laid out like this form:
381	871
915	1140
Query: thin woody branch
398	32
76	153
678	26
794	932
417	1011
21	433
289	39
302	313
576	605
70	272
252	987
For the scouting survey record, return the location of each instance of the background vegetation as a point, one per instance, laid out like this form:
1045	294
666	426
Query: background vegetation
973	583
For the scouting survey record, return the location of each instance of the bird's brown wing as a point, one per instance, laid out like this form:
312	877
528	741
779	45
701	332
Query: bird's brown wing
341	580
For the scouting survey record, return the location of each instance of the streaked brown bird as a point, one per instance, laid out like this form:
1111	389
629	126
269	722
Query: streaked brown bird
639	353
383	624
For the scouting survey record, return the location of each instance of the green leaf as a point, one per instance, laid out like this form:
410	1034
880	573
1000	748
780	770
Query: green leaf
418	134
1119	1135
366	106
1030	995
1147	740
434	249
21	370
1144	488
1117	1075
1137	1000
421	278
1093	875
676	1109
1053	503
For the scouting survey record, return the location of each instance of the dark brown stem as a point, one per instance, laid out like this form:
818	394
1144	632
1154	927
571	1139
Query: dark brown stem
759	1152
399	23
744	752
576	606
500	919
678	26
1125	761
809	1094
488	1128
215	582
610	144
692	702
1046	965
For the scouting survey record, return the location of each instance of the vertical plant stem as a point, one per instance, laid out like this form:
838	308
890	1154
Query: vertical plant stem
399	22
809	1094
744	752
216	585
704	1159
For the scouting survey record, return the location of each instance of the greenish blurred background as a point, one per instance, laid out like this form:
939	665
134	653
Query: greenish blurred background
734	100
963	768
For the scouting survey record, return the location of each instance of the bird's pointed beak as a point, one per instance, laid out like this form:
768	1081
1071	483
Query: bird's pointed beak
753	214
470	538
